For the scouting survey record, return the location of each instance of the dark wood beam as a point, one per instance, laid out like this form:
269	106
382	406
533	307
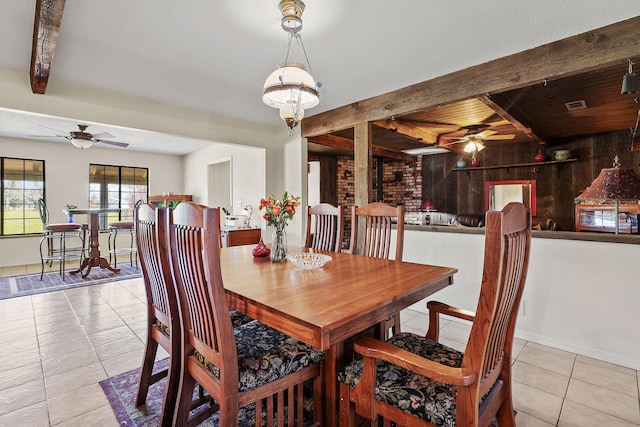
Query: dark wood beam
505	115
46	28
347	144
408	130
574	55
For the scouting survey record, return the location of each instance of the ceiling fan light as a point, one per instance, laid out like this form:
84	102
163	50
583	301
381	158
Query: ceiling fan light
81	143
473	146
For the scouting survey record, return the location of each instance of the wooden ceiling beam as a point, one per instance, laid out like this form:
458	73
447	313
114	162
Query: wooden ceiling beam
486	99
570	56
46	28
347	144
408	130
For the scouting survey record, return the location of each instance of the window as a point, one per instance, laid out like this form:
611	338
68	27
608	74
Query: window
22	186
117	187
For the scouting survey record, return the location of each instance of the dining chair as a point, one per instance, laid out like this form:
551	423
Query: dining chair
163	323
371	227
325	227
251	365
415	380
64	233
123	227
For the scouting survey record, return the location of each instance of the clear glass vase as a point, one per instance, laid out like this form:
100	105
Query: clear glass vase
279	244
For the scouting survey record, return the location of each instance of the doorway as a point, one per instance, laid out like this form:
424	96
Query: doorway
220	183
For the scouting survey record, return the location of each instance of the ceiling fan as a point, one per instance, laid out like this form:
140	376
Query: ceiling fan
82	139
474	137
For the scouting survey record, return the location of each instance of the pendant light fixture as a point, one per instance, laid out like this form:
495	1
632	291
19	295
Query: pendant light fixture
629	81
291	88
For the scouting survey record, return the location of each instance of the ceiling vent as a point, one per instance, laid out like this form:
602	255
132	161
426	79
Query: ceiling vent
576	105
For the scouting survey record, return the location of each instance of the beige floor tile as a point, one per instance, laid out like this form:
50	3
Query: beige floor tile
610	366
123	363
526	420
417	324
119	347
18	345
456	331
456	345
18	334
547	360
22	396
608	401
536	403
100	417
56	385
552	350
73	344
60	363
602	376
576	415
24	358
35	415
10	378
75	403
111	336
540	378
518	345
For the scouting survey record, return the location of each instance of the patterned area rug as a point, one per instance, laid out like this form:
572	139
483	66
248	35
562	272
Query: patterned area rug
121	392
30	284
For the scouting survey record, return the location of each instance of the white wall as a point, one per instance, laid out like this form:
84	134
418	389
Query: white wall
67	182
580	296
248	172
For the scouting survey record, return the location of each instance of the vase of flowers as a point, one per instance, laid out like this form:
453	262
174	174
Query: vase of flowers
277	212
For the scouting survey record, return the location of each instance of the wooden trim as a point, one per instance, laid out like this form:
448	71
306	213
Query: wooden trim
362	160
46	27
347	144
570	56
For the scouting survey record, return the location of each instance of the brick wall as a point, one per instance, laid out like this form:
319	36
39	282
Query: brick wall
401	185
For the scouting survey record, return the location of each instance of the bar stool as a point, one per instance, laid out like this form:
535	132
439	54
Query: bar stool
63	233
123	227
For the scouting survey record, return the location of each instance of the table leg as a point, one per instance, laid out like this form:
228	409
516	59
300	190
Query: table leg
333	364
94	259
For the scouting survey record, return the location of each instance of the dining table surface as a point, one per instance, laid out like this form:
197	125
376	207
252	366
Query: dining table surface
94	259
326	306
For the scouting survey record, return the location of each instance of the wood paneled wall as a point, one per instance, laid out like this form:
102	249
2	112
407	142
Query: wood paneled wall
462	191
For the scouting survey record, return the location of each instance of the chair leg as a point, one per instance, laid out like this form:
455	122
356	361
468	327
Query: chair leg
346	415
183	403
146	370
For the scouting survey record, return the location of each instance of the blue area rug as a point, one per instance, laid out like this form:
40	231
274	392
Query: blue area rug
30	284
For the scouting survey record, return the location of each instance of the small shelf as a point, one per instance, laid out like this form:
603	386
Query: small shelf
516	165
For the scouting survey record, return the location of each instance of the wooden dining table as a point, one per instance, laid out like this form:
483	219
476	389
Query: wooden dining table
327	306
94	259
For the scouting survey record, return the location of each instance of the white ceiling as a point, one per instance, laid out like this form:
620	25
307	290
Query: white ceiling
214	55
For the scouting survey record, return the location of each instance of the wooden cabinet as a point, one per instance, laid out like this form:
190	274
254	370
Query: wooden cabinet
602	218
240	236
170	201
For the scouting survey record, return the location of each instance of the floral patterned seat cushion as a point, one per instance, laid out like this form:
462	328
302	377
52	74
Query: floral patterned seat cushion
423	397
238	318
265	355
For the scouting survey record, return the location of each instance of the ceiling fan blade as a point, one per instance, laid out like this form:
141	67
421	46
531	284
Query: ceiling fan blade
47	136
117	144
57	130
500	137
102	135
486	133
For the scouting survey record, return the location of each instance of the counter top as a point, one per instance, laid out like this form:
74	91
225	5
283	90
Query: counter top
633	239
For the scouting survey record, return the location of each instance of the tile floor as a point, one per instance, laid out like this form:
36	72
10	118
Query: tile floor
56	347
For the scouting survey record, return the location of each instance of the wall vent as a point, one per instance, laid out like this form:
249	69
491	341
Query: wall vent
576	105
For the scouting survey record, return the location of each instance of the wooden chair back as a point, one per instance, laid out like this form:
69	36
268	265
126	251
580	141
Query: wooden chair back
163	321
205	319
325	227
376	230
488	351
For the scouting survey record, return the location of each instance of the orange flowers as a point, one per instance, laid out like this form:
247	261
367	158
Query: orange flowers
278	211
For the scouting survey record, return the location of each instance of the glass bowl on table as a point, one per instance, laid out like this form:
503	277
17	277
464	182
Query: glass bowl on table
308	260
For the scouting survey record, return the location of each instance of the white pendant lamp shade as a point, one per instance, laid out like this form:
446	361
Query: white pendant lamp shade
290	81
473	146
